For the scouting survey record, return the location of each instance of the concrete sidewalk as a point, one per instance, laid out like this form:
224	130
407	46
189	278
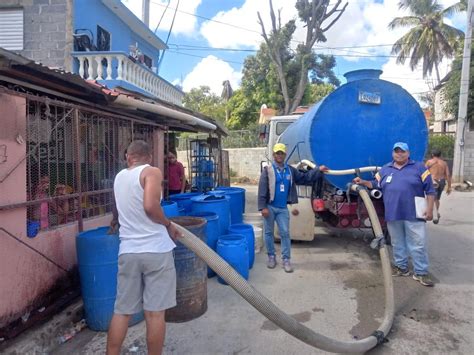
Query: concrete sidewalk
336	290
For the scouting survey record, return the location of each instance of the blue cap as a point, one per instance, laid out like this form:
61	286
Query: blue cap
403	146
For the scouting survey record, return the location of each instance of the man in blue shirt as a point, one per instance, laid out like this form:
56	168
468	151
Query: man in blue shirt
401	181
277	189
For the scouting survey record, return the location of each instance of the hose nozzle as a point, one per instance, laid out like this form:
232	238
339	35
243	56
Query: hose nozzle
377	194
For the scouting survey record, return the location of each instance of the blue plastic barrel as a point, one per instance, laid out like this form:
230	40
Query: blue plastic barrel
97	259
184	200
247	231
217	203
170	208
237	201
191	275
233	248
212	232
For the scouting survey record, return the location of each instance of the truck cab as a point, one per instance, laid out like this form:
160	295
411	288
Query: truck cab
275	127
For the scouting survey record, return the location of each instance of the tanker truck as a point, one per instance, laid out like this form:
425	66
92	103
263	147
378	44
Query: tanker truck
354	127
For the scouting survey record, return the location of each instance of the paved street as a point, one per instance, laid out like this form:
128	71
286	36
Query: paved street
336	290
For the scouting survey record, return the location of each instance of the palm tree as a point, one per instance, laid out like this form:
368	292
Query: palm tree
429	39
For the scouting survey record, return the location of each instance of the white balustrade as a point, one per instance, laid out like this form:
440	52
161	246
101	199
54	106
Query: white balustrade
118	66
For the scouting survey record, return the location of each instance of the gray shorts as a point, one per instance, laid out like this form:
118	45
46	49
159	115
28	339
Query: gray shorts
146	281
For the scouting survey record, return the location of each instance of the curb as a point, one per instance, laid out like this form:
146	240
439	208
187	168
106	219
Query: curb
45	338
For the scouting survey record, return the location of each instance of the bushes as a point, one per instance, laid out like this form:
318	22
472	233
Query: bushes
443	142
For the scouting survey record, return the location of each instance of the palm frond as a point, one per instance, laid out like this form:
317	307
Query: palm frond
404	22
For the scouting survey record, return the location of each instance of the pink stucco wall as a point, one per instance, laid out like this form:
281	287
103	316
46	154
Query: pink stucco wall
26	276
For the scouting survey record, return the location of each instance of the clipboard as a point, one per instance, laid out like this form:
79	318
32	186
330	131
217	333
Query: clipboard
420	207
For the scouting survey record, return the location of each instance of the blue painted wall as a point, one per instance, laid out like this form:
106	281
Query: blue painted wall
88	14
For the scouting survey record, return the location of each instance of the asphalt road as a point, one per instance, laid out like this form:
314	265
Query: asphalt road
336	290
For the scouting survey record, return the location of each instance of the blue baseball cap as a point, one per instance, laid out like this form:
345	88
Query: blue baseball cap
403	146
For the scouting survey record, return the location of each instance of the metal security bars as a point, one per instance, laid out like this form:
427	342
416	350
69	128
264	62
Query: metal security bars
73	154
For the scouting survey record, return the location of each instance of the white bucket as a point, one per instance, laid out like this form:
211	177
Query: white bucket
258	238
256	220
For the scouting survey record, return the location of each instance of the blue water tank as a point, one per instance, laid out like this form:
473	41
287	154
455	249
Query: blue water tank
214	202
357	125
97	259
212	232
234	250
170	208
237	201
247	231
184	200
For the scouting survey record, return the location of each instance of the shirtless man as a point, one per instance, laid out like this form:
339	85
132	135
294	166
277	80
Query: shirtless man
440	173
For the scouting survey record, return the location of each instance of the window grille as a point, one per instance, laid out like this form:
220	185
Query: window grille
70	172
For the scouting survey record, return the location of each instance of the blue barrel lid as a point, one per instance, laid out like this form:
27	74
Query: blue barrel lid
210	197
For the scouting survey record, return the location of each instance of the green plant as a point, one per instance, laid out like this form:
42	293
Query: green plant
232	173
443	142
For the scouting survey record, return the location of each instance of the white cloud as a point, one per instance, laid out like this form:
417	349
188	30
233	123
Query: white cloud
412	81
211	72
246	32
185	21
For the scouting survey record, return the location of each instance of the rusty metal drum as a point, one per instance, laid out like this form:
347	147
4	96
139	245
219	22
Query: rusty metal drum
191	275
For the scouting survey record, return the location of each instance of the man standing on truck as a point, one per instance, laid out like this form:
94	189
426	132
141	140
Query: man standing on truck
277	189
440	174
403	183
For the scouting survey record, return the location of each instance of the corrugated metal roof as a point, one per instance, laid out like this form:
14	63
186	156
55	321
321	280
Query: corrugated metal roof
21	68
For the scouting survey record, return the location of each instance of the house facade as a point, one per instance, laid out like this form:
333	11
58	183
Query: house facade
443	122
78	82
100	40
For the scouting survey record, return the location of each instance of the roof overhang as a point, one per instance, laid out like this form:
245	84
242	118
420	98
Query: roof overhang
18	70
135	24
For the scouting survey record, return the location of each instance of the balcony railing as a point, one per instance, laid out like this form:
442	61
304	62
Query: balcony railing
117	66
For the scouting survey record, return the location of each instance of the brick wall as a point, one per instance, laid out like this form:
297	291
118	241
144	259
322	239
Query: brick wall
47	30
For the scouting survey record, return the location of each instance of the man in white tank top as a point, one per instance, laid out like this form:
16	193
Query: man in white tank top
146	274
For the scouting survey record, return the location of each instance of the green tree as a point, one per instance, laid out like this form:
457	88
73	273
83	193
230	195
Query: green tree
291	66
317	92
453	84
260	85
429	39
204	101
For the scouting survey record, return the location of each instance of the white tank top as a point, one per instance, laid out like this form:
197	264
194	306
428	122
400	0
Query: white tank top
138	233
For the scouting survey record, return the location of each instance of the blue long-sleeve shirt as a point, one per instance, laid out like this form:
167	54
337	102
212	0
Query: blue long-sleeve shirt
400	186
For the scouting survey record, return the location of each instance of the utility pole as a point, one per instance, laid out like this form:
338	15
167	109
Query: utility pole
146	12
458	161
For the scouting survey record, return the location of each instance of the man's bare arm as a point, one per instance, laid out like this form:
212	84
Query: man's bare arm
152	179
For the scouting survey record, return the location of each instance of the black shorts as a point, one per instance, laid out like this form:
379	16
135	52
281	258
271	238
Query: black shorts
440	188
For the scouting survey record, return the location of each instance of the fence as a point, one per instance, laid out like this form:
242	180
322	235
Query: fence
235	139
73	154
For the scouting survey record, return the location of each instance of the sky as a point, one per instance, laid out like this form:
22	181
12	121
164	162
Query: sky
210	39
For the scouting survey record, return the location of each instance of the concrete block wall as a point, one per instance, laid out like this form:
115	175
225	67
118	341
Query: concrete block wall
244	161
47	30
469	156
